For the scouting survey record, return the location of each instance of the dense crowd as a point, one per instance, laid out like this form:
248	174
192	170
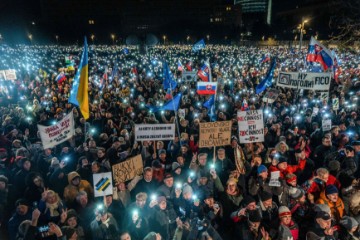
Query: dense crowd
184	192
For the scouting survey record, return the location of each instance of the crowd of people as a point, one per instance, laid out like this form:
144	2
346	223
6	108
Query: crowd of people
184	192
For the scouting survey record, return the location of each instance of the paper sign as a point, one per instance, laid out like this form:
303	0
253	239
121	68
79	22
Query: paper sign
271	95
214	134
127	170
251	126
103	184
10	74
154	132
181	113
189	76
58	133
274	179
326	125
335	104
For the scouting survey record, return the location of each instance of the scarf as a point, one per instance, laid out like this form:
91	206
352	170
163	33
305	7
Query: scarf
106	222
53	209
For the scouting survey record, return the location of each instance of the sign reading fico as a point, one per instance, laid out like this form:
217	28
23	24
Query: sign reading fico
251	126
311	81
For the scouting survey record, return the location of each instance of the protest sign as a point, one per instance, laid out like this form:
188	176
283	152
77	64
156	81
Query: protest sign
251	126
181	113
271	95
335	104
103	184
10	74
127	170
154	132
214	134
326	125
2	76
274	179
324	96
58	133
310	81
189	76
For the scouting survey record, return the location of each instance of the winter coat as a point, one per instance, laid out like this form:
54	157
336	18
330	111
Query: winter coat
337	209
288	232
105	231
71	191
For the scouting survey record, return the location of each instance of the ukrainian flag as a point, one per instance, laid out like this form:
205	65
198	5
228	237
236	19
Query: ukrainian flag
79	91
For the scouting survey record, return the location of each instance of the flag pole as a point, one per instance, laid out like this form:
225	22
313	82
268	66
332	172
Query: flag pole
176	116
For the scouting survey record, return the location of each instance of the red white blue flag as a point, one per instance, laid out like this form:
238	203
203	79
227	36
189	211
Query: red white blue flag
206	88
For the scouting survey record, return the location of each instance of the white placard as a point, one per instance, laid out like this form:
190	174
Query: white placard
181	113
58	133
154	132
310	81
324	96
326	125
271	95
251	126
274	179
335	104
10	74
103	184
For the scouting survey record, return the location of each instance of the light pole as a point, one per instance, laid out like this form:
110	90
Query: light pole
302	31
92	38
30	38
113	38
187	39
164	37
208	37
57	39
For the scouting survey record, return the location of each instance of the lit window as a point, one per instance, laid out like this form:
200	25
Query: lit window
91	22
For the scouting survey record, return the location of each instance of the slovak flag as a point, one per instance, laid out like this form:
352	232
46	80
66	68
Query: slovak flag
188	66
180	66
244	105
206	88
203	73
265	58
60	78
319	53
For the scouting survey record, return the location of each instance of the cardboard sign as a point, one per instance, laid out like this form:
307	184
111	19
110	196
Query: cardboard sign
326	125
58	133
189	76
251	126
154	132
213	134
127	170
310	81
271	95
103	184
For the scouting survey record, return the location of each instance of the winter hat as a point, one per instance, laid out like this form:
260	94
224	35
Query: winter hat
150	236
175	166
162	151
187	189
290	177
68	231
208	194
22	201
54	161
349	222
323	215
168	175
334	165
284	211
71	213
203	174
247	200
4	179
161	199
254	216
322	208
156	164
261	169
282	159
264	195
296	193
330	189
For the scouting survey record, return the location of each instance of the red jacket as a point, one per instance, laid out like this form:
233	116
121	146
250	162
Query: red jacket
289	169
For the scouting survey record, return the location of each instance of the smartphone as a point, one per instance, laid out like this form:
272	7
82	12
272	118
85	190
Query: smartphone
43	229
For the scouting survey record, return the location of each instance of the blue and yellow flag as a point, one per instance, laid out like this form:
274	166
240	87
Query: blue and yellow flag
79	91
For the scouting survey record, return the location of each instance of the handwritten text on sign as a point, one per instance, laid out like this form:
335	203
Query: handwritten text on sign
127	170
146	132
58	133
214	134
251	126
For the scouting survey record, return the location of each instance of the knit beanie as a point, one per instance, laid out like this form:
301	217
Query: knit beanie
330	189
261	169
284	211
348	222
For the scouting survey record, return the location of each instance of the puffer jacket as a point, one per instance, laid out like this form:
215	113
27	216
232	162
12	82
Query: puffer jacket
71	191
337	209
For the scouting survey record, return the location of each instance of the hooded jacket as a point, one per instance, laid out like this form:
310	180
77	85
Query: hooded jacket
71	191
337	209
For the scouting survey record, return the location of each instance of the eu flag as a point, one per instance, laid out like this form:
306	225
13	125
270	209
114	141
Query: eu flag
169	81
267	81
198	46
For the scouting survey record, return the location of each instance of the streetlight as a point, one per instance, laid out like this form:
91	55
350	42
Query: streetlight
187	39
113	37
164	37
92	38
302	31
30	36
57	39
208	37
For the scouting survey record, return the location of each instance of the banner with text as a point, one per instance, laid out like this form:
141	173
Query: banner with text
213	134
251	126
189	76
58	133
102	184
311	81
127	170
154	132
9	74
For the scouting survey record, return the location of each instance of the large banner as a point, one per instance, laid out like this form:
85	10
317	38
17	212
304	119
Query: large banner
58	133
189	76
311	81
251	126
213	134
102	184
154	132
9	74
127	170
